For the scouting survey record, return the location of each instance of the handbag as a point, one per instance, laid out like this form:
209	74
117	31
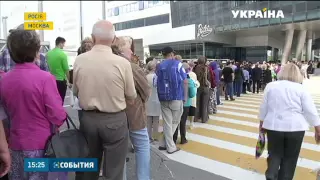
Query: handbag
67	144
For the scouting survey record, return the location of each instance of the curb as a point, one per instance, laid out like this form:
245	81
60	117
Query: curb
154	149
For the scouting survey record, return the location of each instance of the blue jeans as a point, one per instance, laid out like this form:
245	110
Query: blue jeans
141	144
238	84
229	90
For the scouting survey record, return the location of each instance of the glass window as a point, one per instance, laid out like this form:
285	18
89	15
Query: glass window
138	23
109	13
300	7
301	16
313	14
146	4
244	23
187	51
128	8
136	6
275	21
150	4
132	7
180	50
254	22
312	5
141	5
121	10
116	11
157	20
193	50
287	18
120	26
264	22
199	50
287	9
226	20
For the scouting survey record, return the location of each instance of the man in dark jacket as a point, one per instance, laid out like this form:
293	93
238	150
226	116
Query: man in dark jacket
256	76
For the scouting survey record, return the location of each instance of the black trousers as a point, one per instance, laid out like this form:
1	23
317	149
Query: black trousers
255	86
244	87
182	125
62	88
284	149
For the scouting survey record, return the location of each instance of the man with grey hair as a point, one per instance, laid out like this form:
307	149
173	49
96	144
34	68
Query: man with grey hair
103	83
6	63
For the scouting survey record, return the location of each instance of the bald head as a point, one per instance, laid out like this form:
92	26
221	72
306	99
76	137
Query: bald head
103	32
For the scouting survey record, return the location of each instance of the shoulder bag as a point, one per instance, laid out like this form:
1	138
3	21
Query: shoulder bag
67	144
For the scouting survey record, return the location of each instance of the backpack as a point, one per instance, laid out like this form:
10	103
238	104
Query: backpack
167	84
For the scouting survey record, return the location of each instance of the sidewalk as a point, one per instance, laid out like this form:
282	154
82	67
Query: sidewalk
163	168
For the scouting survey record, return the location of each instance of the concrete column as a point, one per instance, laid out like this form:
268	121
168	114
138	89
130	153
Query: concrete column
301	41
309	46
312	55
303	57
287	46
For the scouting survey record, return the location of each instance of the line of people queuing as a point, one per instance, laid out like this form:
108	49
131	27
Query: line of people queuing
118	98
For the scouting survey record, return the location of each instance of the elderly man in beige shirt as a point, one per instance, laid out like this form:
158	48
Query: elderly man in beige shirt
103	83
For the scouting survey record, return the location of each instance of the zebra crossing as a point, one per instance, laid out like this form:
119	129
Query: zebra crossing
226	144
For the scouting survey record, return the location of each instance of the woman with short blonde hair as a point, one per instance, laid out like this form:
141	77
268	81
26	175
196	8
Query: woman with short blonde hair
290	72
286	112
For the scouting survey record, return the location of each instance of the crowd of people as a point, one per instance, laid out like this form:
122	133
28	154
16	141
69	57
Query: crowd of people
122	98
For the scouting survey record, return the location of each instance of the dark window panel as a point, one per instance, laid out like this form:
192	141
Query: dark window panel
254	23
287	18
300	17
274	21
116	11
313	5
300	7
313	15
141	5
264	22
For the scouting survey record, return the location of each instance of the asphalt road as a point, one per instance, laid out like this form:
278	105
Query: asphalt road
162	168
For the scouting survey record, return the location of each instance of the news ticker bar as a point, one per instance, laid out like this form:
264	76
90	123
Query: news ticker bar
37	21
60	164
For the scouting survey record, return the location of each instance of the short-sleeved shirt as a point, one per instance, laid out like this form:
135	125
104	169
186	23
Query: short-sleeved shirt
102	80
58	63
227	74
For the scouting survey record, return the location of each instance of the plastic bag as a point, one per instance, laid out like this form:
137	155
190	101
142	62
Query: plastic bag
260	144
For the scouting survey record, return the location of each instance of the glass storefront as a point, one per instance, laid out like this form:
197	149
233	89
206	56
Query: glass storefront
215	51
218	13
187	51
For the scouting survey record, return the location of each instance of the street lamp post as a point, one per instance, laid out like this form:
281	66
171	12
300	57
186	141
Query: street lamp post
81	22
40	9
104	10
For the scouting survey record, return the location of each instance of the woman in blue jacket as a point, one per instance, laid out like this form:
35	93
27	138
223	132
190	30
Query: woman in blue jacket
192	92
